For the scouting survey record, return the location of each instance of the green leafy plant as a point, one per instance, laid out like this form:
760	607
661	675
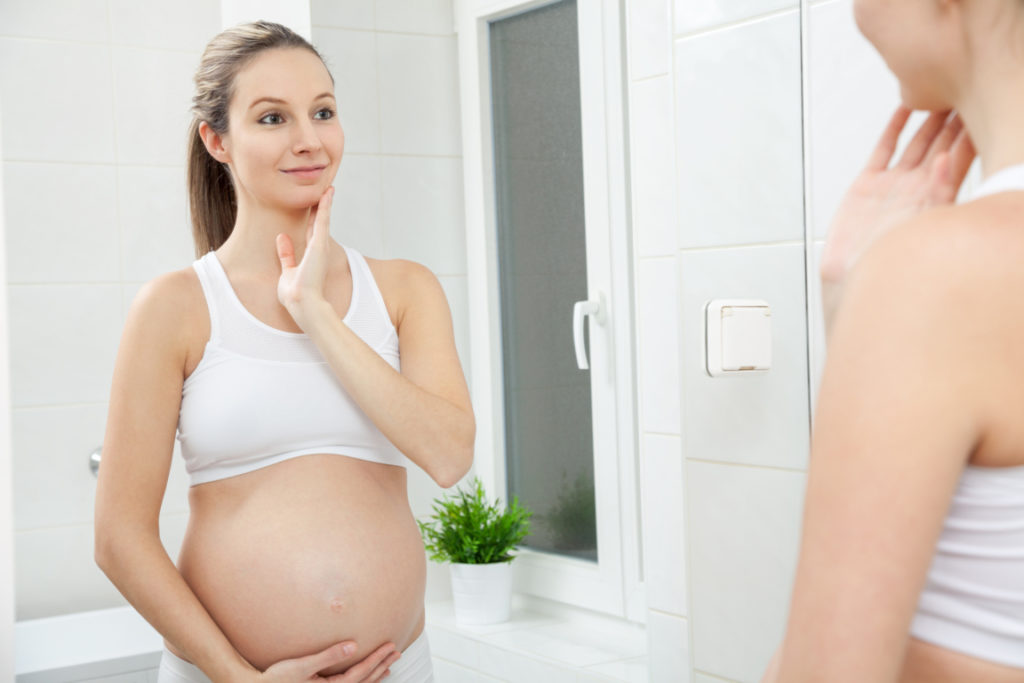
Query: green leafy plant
466	529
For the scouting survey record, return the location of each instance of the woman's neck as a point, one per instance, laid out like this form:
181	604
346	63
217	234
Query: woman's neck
253	240
991	108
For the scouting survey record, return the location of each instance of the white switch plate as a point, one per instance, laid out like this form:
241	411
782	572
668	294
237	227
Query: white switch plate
738	337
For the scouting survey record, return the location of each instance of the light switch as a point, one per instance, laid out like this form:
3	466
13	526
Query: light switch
739	336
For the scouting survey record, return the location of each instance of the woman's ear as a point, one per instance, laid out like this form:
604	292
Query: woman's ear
214	143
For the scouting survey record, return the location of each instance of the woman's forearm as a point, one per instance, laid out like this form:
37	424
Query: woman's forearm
140	568
433	432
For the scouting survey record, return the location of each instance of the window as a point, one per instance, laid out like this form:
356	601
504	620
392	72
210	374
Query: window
549	252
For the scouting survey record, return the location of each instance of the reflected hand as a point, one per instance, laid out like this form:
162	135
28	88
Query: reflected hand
373	667
930	173
303	283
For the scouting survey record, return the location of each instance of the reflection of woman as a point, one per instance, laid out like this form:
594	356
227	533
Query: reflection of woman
912	561
276	359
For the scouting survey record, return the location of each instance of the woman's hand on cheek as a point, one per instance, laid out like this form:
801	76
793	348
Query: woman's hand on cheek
929	174
302	284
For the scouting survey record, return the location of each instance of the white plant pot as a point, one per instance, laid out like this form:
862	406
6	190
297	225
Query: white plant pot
482	593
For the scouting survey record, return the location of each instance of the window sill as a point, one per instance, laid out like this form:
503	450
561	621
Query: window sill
543	641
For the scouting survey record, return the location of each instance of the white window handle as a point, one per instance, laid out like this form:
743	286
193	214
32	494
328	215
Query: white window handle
595	309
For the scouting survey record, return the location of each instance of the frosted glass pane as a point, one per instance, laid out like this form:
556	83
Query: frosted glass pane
542	273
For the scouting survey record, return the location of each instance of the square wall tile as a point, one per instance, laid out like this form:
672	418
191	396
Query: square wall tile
152	99
41	85
650	37
658	322
61	223
180	25
422	212
155	230
348	14
356	212
758	418
654	170
351	58
669	648
739	136
664	523
423	16
52	482
63	342
419	94
74	20
851	97
55	573
744	526
695	15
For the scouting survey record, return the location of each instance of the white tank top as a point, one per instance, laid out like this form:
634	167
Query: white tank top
973	600
260	395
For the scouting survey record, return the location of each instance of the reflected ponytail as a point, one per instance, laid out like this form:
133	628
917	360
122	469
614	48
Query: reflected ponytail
211	191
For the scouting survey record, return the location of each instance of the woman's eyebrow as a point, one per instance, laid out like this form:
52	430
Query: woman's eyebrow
278	100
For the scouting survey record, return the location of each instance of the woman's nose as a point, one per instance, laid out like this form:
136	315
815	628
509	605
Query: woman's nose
306	139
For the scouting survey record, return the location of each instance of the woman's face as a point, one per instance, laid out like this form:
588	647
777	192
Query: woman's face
920	42
284	139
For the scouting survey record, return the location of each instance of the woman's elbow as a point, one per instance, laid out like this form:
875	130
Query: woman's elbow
456	461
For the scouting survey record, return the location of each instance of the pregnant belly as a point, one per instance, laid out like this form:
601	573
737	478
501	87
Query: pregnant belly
295	557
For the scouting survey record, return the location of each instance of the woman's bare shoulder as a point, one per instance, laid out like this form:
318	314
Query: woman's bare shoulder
171	306
963	245
403	283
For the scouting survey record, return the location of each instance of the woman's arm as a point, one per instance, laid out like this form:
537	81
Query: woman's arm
137	448
898	417
425	409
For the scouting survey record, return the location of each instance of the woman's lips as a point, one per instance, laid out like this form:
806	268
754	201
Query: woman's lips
305	172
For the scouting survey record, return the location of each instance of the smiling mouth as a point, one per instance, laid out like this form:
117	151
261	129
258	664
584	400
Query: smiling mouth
305	169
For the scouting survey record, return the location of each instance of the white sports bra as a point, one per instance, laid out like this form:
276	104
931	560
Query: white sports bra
973	600
260	395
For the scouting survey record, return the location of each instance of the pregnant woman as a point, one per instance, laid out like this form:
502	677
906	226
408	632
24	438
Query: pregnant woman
912	560
301	379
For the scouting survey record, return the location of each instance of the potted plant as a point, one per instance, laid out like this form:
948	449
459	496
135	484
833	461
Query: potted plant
477	538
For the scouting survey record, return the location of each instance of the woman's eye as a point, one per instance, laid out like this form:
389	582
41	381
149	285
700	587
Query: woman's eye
324	114
271	118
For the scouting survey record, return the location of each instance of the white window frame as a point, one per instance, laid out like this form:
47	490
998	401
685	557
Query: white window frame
614	584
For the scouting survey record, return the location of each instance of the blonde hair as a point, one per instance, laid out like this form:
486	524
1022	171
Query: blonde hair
211	192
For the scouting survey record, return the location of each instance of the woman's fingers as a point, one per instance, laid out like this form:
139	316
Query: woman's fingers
922	141
332	656
945	139
383	669
322	222
285	251
882	155
384	655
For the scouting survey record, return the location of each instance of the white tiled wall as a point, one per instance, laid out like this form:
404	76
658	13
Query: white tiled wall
93	159
95	98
